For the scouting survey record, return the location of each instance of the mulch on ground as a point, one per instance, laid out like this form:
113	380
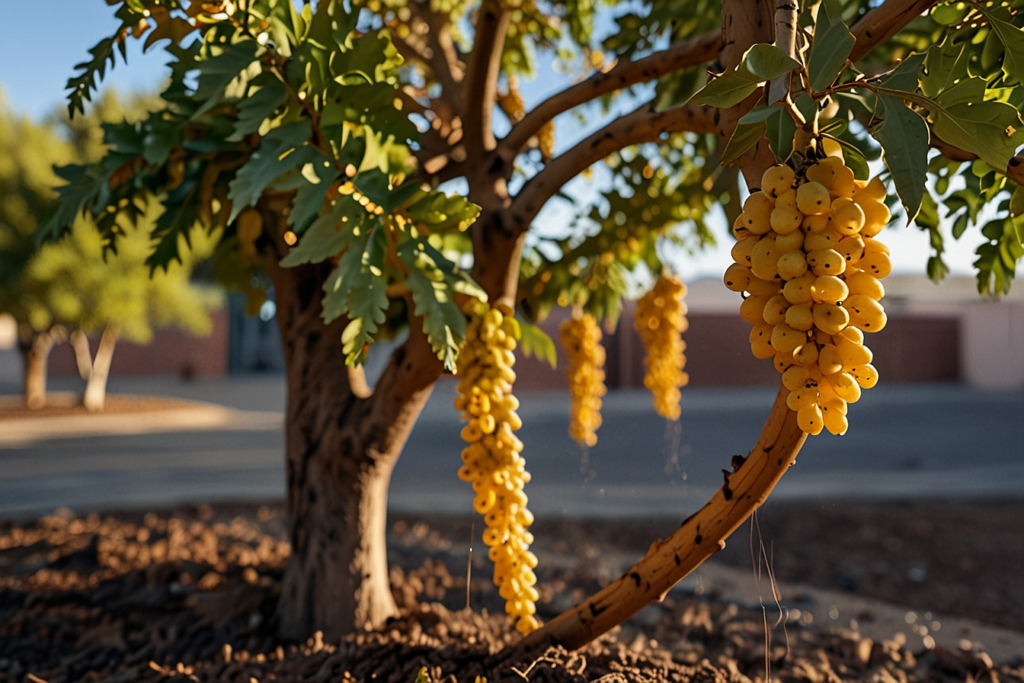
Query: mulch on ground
190	596
65	404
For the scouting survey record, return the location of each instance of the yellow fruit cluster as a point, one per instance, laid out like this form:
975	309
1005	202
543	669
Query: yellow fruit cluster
546	140
512	102
581	338
660	319
492	460
808	258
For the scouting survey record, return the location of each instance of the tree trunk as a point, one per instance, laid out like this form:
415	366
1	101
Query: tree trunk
96	385
35	349
342	442
83	354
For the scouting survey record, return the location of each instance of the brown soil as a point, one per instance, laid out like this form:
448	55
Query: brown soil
62	405
190	595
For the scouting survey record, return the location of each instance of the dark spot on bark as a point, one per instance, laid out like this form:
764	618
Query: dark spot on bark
497	166
595	610
399	356
727	492
678	561
698	539
780	462
311	495
636	578
768	449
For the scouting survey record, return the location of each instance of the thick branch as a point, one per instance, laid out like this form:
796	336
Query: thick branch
478	92
642	125
700	536
445	53
1014	170
683	54
883	22
786	12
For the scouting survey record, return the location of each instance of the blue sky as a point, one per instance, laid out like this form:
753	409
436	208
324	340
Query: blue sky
40	42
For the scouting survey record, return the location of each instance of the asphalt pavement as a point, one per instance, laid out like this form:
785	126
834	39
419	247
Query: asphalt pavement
905	441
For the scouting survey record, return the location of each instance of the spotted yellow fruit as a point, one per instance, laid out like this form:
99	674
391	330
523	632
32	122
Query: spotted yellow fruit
581	338
809	264
660	319
492	459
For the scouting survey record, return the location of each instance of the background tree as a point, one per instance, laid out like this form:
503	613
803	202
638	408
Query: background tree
73	285
318	139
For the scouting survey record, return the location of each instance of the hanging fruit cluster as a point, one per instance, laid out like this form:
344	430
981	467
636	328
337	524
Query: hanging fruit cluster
660	319
546	140
581	338
809	262
511	103
492	460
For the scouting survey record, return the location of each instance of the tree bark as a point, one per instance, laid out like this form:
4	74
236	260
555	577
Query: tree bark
342	443
35	350
95	394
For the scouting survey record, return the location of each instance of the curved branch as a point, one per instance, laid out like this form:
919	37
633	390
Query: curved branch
1014	170
883	22
686	53
478	92
699	537
642	125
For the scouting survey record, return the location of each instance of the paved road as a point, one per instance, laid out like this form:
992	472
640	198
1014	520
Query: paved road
905	441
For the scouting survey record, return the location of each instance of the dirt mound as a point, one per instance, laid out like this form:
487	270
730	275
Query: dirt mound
191	596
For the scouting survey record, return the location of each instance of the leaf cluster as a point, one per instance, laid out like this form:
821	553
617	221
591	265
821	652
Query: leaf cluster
955	83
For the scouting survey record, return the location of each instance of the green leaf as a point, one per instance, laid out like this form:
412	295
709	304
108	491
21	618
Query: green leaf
726	91
950	14
830	48
766	62
1017	202
309	198
177	219
903	136
377	186
536	343
440	213
780	132
1012	39
357	289
744	137
762	62
217	72
905	77
328	235
945	65
258	107
81	87
981	127
434	281
280	151
759	113
443	322
990	129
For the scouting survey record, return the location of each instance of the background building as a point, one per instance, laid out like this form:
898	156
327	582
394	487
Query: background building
936	333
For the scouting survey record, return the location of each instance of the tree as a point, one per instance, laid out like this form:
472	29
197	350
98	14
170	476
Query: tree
73	284
70	283
298	138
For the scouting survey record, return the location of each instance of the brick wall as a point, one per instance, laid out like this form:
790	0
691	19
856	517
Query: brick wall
172	352
910	349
